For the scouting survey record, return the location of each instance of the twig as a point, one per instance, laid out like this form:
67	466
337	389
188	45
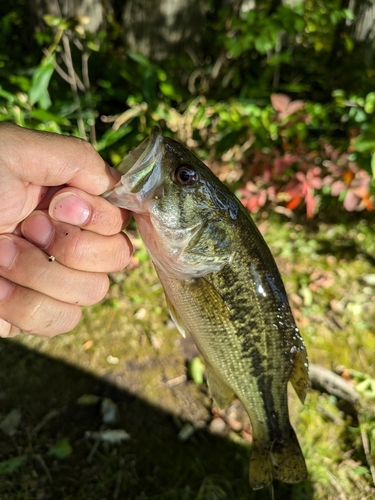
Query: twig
323	379
58	68
74	78
120	475
86	82
93	450
366	448
175	381
69	64
52	414
39	458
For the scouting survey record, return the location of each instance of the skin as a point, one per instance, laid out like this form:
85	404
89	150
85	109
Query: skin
50	206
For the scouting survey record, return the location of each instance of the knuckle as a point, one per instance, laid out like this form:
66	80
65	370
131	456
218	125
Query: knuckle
73	252
7	330
123	254
47	317
105	219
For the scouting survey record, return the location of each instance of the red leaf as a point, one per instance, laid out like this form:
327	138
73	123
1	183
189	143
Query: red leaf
310	204
280	102
337	188
292	204
285	107
351	201
295	106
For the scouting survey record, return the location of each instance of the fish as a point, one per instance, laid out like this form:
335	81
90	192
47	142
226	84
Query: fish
222	287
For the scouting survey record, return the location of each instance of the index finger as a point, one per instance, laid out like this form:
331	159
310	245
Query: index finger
49	159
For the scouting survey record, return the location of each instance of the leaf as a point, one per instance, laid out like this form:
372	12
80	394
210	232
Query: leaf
140	59
295	106
349	14
45	116
111	136
61	449
370	103
55	22
351	201
369	279
365	143
196	369
112	436
280	102
11	421
283	104
12	99
12	464
40	82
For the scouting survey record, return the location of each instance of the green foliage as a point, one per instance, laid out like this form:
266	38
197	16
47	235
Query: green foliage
38	92
12	464
272	104
196	370
62	449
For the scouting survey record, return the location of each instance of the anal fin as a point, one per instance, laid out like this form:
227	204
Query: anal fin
221	393
299	377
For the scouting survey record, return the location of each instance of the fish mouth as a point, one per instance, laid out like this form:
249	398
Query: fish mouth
142	175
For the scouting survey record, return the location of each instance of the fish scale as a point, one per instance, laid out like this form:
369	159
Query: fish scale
222	287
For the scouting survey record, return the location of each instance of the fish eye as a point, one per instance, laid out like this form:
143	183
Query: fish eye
185	175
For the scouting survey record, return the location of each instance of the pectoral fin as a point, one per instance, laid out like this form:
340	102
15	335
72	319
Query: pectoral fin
300	375
221	393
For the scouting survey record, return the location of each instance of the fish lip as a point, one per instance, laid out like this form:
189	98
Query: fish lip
132	189
147	154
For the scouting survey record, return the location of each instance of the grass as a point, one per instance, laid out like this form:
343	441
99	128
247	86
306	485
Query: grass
127	351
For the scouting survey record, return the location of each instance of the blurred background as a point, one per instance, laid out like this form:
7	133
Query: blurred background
278	98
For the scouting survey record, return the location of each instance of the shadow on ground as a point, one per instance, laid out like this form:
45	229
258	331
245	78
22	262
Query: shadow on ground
153	464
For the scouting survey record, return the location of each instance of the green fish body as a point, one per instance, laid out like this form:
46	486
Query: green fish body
222	287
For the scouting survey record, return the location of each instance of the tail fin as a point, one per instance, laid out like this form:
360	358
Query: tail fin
281	460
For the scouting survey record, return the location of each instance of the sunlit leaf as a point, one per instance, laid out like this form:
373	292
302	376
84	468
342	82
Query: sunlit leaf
45	116
55	22
196	370
112	136
61	449
365	142
40	82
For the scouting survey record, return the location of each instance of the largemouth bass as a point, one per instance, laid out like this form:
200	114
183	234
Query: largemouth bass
223	287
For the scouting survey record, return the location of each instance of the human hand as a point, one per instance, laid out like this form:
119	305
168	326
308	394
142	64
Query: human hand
49	206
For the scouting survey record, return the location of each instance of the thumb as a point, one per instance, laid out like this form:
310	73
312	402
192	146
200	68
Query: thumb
48	159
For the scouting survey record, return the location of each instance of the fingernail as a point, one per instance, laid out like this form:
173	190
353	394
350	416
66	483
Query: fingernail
6	288
38	229
68	207
8	252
